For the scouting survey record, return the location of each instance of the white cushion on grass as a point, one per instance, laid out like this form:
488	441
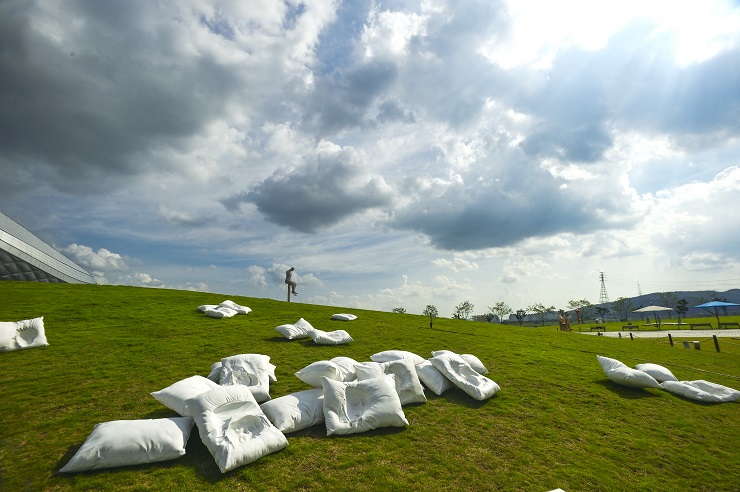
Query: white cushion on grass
215	374
457	370
344	317
701	390
17	335
291	332
304	325
360	406
296	411
336	337
202	308
346	366
387	355
233	427
236	307
131	442
432	378
175	395
659	373
220	312
407	382
252	370
619	373
312	373
471	359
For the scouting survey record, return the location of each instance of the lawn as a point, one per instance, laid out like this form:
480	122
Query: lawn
557	422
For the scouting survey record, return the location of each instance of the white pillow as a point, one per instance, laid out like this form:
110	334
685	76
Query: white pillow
312	373
233	427
236	307
346	367
407	382
220	312
203	307
8	331
619	373
344	317
432	378
296	411
304	325
28	333
387	355
291	332
701	390
475	363
659	373
215	374
175	395
337	337
131	442
360	406
252	370
457	370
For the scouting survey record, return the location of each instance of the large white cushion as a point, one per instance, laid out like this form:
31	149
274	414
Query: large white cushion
220	312
457	370
471	359
296	411
432	378
131	442
291	332
233	427
236	307
659	373
344	317
202	308
387	355
304	325
346	367
360	406
701	390
28	333
336	337
252	370
175	395
407	382
619	373
215	374
312	373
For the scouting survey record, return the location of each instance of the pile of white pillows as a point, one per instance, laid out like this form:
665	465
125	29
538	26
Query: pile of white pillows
304	329
18	335
656	376
239	422
226	309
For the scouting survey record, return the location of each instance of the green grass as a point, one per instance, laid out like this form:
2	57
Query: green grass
557	422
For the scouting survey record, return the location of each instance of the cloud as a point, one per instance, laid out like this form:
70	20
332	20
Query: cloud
331	188
100	261
457	263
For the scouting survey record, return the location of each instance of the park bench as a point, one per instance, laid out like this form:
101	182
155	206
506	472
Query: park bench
631	327
598	328
729	324
700	325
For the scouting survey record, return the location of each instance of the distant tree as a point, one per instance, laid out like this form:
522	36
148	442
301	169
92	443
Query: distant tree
430	311
622	307
399	310
463	310
499	310
668	299
520	315
682	307
601	311
540	312
583	306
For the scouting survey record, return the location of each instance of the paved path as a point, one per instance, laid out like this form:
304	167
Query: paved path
664	333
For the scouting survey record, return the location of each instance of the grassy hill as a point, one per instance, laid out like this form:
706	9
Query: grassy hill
557	422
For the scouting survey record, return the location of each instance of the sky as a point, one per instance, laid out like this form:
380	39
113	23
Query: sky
396	153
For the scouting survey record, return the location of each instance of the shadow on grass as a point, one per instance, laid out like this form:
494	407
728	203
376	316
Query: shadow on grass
627	392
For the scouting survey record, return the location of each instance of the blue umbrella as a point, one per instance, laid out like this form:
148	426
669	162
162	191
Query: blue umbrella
716	305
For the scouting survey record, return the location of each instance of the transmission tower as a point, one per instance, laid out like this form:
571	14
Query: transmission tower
639	290
603	296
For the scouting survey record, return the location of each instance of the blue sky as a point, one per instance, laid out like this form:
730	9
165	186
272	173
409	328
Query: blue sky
398	154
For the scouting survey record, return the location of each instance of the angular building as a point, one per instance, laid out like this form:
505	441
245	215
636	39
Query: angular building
24	256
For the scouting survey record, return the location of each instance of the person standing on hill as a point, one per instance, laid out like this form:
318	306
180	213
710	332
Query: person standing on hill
289	281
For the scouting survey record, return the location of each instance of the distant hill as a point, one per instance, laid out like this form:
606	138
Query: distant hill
692	297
